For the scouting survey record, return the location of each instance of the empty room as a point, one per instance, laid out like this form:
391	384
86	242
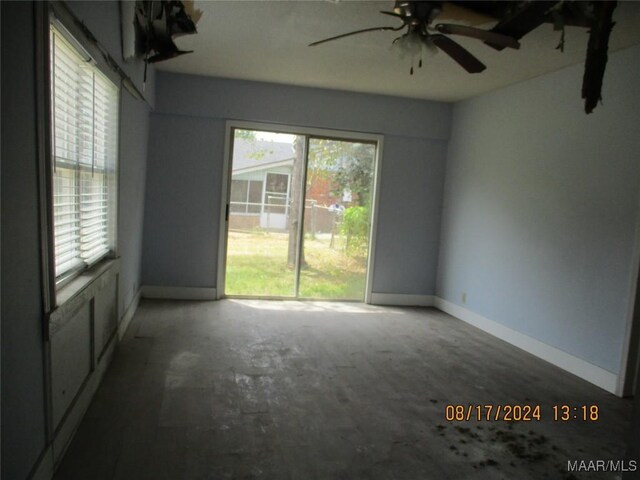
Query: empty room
323	239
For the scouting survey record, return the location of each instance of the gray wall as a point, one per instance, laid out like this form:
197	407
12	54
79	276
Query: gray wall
633	450
185	166
409	216
23	411
182	201
134	134
23	420
540	209
633	435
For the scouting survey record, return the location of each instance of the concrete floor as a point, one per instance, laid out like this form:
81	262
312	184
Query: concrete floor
304	390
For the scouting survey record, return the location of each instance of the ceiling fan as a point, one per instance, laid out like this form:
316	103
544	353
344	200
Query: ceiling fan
418	19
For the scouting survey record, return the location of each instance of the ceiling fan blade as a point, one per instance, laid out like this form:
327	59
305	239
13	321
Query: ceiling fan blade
393	14
467	61
373	29
491	37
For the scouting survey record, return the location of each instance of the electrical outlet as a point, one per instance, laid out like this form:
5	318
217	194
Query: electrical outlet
463	297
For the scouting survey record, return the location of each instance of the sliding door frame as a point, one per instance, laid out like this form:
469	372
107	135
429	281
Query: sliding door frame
308	132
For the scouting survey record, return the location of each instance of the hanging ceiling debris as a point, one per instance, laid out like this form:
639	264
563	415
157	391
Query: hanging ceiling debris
159	22
518	19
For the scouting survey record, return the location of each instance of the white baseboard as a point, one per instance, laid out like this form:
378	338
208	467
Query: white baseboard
179	293
128	315
581	368
402	300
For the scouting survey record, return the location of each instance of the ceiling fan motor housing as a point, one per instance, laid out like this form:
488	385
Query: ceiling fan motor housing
424	12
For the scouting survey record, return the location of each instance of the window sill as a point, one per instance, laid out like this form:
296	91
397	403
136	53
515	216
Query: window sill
80	290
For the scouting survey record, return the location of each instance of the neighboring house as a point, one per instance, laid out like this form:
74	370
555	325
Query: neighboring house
261	188
261	183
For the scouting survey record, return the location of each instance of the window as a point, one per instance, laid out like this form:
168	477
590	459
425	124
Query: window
239	196
254	204
84	117
246	196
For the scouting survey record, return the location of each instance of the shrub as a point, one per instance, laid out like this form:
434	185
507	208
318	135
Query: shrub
355	227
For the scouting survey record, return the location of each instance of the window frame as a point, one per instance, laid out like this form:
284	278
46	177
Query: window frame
62	21
232	125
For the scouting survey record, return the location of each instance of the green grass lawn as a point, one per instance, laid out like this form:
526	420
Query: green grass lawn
257	266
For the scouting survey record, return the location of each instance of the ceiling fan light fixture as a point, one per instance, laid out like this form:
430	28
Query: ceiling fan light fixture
409	45
414	45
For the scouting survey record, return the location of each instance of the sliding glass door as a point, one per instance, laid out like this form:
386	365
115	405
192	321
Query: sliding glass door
298	216
262	236
337	219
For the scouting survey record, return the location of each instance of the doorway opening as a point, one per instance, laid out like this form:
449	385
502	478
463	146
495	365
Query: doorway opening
299	213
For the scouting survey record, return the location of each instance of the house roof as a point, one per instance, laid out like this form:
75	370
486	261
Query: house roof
251	155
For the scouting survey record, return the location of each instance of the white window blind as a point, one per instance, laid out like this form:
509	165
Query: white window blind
84	144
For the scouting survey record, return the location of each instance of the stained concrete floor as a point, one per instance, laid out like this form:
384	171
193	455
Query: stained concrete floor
302	390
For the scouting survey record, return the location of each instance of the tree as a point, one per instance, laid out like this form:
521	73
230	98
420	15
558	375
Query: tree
245	134
297	175
349	165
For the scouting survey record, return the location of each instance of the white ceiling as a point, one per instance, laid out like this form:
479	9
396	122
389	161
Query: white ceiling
267	41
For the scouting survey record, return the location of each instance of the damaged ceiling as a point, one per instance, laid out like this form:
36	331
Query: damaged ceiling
268	41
